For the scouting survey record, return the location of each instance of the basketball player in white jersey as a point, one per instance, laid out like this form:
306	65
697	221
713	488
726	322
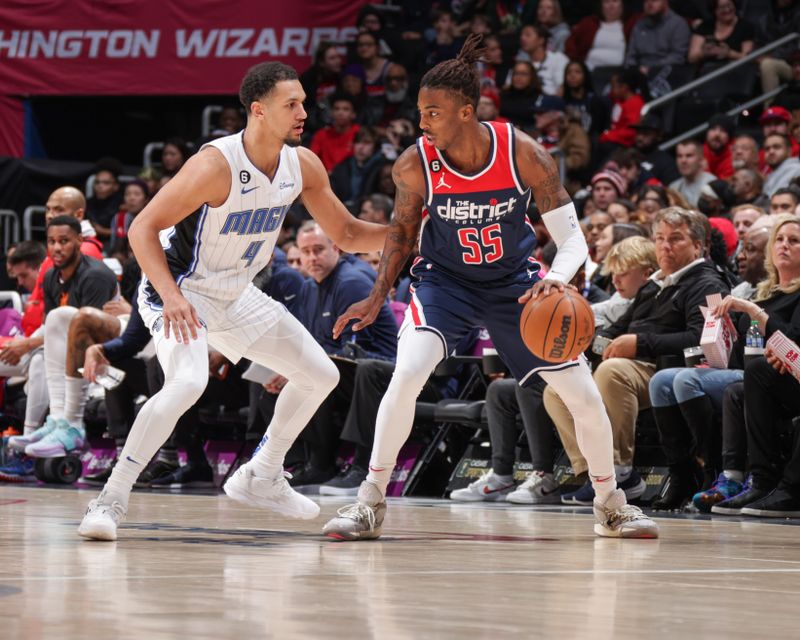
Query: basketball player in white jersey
200	242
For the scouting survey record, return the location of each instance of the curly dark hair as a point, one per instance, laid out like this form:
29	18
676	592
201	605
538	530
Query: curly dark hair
458	75
261	79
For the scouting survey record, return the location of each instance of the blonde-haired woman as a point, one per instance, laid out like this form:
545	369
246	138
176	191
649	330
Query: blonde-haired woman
684	400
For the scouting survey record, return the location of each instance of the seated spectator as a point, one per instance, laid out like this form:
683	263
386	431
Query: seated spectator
744	215
717	199
629	261
685	400
322	77
399	136
445	42
607	187
663	319
600	39
744	153
136	198
591	110
549	65
152	179
748	187
626	112
74	281
397	104
775	120
717	148
293	259
789	98
349	179
649	131
659	39
724	38
631	166
555	131
492	68
621	211
516	102
353	83
611	235
489	106
781	19
333	287
173	156
782	168
690	165
649	201
107	198
550	16
375	67
334	143
784	201
376	208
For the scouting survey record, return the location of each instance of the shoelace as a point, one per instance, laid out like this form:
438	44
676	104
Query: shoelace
533	481
483	479
115	509
625	513
359	512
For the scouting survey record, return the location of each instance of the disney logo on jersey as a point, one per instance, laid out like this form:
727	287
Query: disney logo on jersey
466	210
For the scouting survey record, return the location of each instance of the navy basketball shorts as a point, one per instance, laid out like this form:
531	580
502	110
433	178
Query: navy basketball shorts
452	308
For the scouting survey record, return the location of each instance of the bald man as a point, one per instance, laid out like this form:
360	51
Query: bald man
69	201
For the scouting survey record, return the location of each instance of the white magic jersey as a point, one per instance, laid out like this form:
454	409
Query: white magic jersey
217	251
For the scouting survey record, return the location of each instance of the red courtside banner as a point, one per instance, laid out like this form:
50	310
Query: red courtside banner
158	47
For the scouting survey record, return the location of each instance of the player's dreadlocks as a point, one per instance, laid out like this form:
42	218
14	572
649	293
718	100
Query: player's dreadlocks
459	75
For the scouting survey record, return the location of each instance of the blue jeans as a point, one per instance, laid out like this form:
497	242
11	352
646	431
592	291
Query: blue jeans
669	387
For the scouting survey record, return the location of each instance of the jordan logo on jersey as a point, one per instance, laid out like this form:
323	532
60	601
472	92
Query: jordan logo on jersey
442	183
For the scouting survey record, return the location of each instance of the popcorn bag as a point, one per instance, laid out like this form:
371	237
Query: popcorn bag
787	352
718	335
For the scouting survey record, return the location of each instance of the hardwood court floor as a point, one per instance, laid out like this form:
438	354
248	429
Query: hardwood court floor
201	566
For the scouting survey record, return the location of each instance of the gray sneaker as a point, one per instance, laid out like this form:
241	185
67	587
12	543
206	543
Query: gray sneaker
618	519
359	521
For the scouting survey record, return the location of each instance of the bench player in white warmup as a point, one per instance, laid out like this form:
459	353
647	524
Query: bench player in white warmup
200	242
475	269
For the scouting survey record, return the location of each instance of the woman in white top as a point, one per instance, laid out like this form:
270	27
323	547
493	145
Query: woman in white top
600	39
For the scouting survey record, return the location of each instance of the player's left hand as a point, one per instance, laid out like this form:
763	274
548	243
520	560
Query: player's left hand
774	361
119	307
621	347
275	384
12	353
542	288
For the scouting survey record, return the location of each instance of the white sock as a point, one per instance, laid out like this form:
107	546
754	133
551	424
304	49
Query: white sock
577	389
75	396
732	474
56	328
418	353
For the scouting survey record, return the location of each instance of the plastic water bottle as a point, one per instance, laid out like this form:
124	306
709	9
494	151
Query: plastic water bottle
754	343
754	339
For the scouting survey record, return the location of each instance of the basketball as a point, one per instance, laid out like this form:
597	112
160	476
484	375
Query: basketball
557	327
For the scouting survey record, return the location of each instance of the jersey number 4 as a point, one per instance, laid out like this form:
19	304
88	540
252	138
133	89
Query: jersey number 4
481	245
252	251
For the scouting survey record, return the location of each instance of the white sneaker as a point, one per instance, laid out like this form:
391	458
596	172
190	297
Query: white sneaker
360	521
538	488
489	487
101	519
270	493
618	519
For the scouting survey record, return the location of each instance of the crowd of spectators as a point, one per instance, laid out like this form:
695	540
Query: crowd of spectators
665	227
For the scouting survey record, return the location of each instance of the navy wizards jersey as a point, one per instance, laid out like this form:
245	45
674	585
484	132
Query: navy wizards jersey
474	226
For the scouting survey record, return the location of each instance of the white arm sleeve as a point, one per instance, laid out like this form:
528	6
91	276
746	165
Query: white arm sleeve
562	225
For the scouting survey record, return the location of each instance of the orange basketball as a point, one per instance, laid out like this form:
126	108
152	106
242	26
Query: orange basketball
558	327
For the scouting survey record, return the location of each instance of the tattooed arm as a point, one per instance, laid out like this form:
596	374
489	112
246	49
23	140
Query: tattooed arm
400	240
538	170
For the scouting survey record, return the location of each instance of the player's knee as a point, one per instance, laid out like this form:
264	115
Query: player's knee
409	379
59	319
194	386
326	377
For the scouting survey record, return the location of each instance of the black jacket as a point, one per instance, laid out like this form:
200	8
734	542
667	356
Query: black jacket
784	316
666	321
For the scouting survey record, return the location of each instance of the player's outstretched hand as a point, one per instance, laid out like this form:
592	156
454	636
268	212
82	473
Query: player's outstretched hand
365	311
542	288
180	318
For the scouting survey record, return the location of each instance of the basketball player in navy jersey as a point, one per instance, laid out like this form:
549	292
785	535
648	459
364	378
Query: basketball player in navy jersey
462	192
200	242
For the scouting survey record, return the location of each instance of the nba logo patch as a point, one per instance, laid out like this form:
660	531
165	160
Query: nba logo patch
244	176
436	166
